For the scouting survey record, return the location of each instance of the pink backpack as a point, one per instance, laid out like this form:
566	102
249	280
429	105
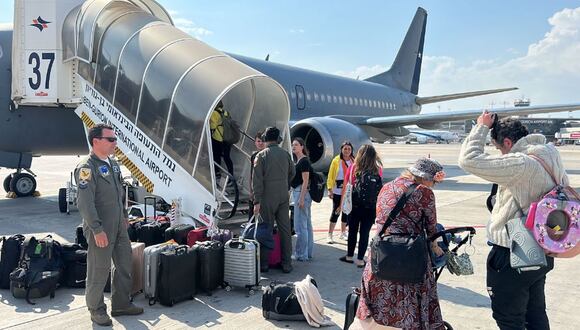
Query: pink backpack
555	204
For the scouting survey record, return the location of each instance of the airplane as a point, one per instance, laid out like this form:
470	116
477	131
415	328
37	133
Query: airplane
324	109
438	136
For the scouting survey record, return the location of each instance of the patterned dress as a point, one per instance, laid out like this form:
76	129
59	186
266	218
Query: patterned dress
396	304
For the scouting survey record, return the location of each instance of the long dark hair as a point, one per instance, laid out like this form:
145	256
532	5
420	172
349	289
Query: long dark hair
367	160
302	144
344	144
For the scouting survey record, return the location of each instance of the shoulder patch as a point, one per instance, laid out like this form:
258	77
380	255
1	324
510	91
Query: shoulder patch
84	174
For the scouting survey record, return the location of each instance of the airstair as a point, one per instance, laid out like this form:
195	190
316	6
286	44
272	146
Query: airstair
124	63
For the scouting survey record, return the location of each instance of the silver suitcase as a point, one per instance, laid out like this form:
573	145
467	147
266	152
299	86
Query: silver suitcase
242	264
151	268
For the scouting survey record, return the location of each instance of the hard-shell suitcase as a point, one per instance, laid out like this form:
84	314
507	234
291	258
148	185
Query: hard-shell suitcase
9	257
177	275
275	257
242	264
152	233
351	307
210	255
178	233
151	268
222	235
197	235
137	251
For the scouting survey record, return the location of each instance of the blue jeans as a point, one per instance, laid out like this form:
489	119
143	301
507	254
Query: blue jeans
303	226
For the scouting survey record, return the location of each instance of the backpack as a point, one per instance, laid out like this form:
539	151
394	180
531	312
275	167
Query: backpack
366	190
232	133
279	302
9	257
38	270
74	258
316	186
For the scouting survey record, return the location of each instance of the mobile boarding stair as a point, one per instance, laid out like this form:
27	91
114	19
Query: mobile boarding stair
124	63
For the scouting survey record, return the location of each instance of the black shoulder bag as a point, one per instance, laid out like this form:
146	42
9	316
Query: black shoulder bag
399	257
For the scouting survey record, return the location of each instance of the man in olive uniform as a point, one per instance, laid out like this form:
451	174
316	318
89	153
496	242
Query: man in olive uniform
100	202
273	170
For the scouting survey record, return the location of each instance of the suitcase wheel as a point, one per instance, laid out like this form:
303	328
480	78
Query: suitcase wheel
228	288
251	292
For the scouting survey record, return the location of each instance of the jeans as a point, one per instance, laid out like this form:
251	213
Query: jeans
303	226
517	299
365	218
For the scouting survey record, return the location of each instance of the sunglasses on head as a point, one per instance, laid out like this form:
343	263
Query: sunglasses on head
110	139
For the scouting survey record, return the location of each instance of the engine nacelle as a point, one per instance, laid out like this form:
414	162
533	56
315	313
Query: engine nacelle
323	137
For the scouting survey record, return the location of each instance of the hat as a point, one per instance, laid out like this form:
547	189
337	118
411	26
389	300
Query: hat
271	134
426	168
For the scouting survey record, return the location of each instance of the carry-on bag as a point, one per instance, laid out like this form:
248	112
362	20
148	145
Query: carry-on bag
279	302
221	235
197	235
242	263
210	255
9	257
275	257
151	268
74	272
138	257
177	275
178	233
152	233
351	307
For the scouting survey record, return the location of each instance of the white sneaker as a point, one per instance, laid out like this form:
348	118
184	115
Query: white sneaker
344	236
330	239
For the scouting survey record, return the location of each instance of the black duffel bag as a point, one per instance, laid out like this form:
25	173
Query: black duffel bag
399	257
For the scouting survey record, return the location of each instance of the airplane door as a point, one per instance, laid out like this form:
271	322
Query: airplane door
300	97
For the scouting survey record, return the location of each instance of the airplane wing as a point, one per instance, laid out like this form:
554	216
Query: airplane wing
438	117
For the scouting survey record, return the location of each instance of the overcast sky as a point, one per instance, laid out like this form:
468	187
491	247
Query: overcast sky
533	45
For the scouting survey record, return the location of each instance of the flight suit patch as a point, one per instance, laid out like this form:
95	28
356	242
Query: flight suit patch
85	174
104	169
83	184
116	169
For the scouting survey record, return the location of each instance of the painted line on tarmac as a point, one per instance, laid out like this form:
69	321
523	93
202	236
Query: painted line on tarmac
320	230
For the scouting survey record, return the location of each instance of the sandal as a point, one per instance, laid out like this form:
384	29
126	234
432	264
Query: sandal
344	259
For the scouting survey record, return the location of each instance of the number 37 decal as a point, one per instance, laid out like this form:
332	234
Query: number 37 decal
35	60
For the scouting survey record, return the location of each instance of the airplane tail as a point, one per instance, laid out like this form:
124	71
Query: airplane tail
406	70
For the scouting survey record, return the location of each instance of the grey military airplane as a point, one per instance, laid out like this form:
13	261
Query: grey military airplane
325	110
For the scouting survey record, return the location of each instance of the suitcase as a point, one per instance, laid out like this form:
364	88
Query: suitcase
137	252
210	255
242	264
80	238
275	257
9	257
351	307
151	268
177	275
178	233
197	235
222	235
152	233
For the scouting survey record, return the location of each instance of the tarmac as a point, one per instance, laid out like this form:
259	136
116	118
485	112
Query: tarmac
464	300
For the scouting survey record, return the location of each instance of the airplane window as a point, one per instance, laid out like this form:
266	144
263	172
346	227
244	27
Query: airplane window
322	98
374	104
340	99
329	98
134	59
334	99
112	42
293	94
350	100
316	97
356	101
308	97
366	103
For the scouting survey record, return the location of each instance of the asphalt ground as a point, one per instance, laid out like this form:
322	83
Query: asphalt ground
464	300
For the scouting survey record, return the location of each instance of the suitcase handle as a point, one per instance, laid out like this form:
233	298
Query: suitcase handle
180	250
237	245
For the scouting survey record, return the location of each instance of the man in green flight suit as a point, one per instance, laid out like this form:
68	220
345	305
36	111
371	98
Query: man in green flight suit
273	170
100	202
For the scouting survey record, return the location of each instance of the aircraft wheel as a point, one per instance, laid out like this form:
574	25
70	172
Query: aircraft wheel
23	184
7	183
62	202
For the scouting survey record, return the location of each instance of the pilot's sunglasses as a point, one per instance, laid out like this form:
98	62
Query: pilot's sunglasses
110	139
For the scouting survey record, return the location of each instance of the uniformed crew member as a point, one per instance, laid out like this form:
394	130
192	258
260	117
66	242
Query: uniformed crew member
219	147
100	202
273	170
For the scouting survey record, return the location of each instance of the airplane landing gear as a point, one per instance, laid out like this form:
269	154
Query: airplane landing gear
21	184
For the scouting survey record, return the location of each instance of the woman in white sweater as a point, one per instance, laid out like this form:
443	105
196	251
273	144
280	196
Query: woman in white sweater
517	299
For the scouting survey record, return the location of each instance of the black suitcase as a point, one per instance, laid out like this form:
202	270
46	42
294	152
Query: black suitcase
177	275
152	233
178	233
351	307
80	237
9	258
210	255
75	266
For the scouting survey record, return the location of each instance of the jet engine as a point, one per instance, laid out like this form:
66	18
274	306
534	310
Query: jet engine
323	137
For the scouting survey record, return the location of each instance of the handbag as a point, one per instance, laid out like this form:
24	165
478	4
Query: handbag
399	257
459	264
259	230
347	202
525	252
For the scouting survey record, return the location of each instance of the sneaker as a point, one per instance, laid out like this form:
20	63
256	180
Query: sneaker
129	310
330	239
344	236
101	318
